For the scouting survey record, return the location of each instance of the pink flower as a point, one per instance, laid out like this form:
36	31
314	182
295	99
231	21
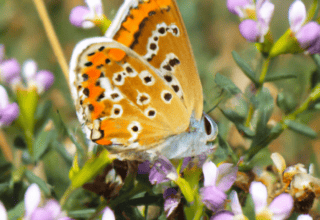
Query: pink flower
82	16
216	182
108	214
280	208
255	30
308	35
162	171
42	79
8	112
51	210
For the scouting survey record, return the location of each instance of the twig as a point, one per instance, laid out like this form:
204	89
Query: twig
52	37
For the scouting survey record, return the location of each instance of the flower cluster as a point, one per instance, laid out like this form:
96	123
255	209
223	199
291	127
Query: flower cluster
10	74
217	180
279	208
256	22
42	79
256	17
307	33
37	209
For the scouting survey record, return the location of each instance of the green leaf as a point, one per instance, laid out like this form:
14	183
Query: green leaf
248	208
286	102
316	59
245	131
43	109
280	77
232	115
4	187
265	104
313	10
287	43
62	151
246	69
17	212
226	84
42	115
35	179
81	214
301	128
226	147
91	168
185	189
60	123
131	211
42	142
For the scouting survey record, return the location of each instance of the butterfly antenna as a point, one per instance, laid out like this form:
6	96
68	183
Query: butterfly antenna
53	39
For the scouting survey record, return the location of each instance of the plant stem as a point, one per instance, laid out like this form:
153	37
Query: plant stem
53	39
262	78
314	96
264	71
66	195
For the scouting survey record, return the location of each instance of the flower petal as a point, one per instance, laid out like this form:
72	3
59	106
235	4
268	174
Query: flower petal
259	195
53	207
44	80
281	206
4	99
210	173
222	215
108	214
264	17
235	6
78	15
235	204
170	205
32	199
3	212
29	69
95	6
9	69
41	213
315	47
227	176
304	217
279	162
144	168
9	114
249	30
162	171
212	197
308	34
297	15
169	193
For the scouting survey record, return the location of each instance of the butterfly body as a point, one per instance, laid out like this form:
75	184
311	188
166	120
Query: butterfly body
137	90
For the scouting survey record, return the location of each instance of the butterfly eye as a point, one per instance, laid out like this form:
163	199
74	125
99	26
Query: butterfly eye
210	127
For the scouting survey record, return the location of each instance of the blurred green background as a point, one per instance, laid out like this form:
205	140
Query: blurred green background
213	33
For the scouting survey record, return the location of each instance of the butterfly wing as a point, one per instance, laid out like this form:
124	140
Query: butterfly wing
120	99
154	29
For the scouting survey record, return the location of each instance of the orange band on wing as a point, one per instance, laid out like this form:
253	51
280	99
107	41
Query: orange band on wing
116	54
134	21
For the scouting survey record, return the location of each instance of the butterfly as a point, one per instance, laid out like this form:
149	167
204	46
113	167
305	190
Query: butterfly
137	90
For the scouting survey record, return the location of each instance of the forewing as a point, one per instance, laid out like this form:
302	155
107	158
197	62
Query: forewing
155	30
120	98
